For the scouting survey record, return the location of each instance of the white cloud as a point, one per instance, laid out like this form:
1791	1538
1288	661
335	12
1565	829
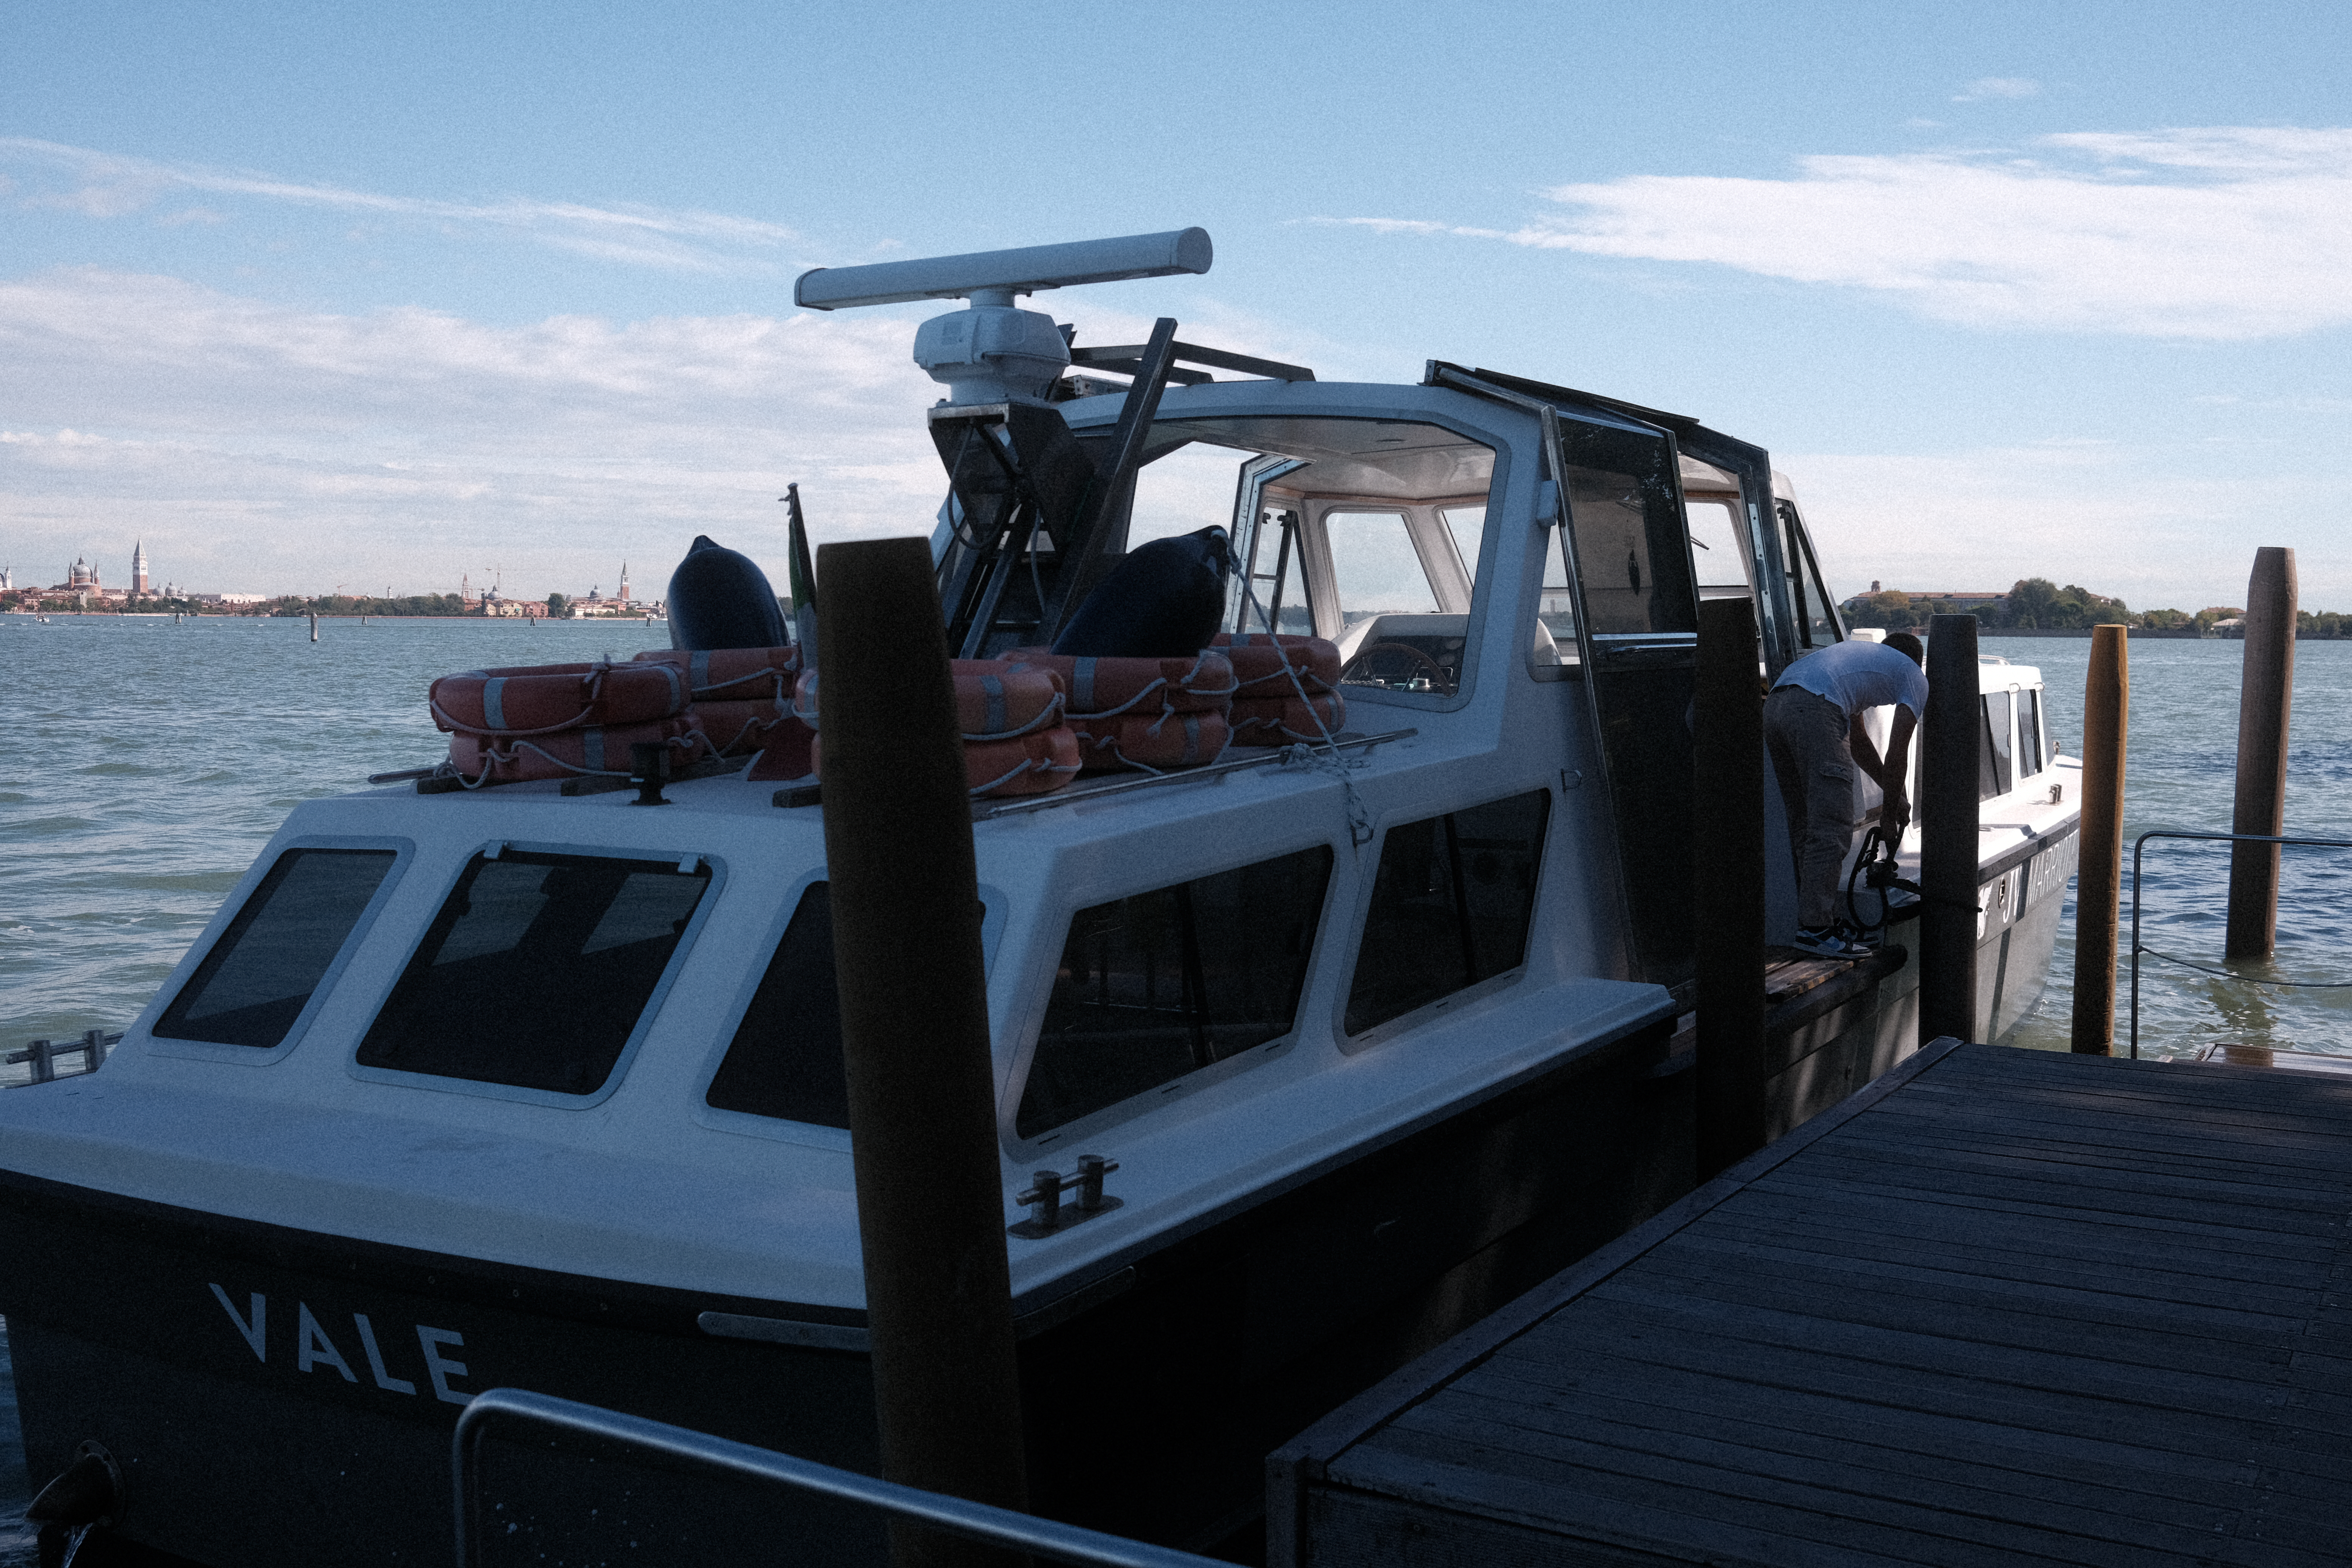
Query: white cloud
258	447
1986	87
105	184
264	447
2227	233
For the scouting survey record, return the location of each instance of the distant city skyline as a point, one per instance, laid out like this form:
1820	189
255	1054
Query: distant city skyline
137	578
315	295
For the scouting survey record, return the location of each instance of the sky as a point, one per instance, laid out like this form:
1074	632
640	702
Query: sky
379	296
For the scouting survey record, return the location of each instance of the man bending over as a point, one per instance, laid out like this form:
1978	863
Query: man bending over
1812	724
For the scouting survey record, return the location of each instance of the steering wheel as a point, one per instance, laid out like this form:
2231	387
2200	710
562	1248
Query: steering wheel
1437	677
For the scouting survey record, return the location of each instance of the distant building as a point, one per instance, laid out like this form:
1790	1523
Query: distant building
1963	601
139	569
82	577
623	594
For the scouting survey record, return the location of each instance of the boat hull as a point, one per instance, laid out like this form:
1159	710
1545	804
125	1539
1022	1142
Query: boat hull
209	1355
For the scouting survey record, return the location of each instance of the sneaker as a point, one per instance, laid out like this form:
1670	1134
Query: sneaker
1828	942
1867	941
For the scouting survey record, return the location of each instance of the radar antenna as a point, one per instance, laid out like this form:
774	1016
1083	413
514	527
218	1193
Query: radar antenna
1035	510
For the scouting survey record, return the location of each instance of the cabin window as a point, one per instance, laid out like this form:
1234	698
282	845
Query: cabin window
1995	774
1450	907
260	976
1375	567
785	1059
1180	489
2029	733
1156	987
536	971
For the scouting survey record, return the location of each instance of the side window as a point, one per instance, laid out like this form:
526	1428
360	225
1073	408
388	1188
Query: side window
1995	772
1555	640
1278	585
2029	733
261	973
536	970
1157	986
1816	626
1450	906
1467	524
786	1058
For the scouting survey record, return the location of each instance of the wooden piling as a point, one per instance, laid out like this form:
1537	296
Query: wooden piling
2098	885
1727	902
2265	695
914	1026
1947	832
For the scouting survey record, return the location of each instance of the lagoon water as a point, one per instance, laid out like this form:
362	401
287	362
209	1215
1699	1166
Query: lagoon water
148	762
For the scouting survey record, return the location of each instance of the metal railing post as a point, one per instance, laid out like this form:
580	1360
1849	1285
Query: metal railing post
981	1523
2139	846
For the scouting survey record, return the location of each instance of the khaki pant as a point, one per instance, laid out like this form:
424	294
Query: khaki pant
1807	737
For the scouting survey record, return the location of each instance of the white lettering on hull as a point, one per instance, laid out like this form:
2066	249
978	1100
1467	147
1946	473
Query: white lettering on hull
375	1358
253	1330
313	1349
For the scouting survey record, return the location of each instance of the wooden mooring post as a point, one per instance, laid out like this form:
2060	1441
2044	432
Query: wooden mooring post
1727	902
2265	694
914	1026
1947	832
2098	885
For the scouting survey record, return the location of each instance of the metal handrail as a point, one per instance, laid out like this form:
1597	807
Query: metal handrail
977	1522
2139	846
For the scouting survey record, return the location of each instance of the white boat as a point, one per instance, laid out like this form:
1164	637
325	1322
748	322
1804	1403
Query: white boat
509	1086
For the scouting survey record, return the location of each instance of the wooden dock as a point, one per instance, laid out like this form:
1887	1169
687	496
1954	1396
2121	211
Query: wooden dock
2002	1307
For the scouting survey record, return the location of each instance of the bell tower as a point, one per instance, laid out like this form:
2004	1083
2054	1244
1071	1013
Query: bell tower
139	569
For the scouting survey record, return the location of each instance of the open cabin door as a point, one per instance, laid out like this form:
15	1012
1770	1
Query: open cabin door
1612	508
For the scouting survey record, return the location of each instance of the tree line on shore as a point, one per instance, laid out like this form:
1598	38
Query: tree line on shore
2036	603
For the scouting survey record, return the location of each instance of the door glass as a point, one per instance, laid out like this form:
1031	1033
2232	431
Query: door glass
1722	566
1377	571
1816	626
1613	546
2029	733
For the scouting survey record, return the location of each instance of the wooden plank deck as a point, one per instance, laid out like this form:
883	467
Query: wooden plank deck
2002	1307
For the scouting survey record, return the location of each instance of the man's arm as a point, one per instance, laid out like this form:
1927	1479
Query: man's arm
1865	755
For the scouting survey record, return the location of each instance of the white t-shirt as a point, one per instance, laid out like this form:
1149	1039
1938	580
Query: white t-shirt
1859	676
